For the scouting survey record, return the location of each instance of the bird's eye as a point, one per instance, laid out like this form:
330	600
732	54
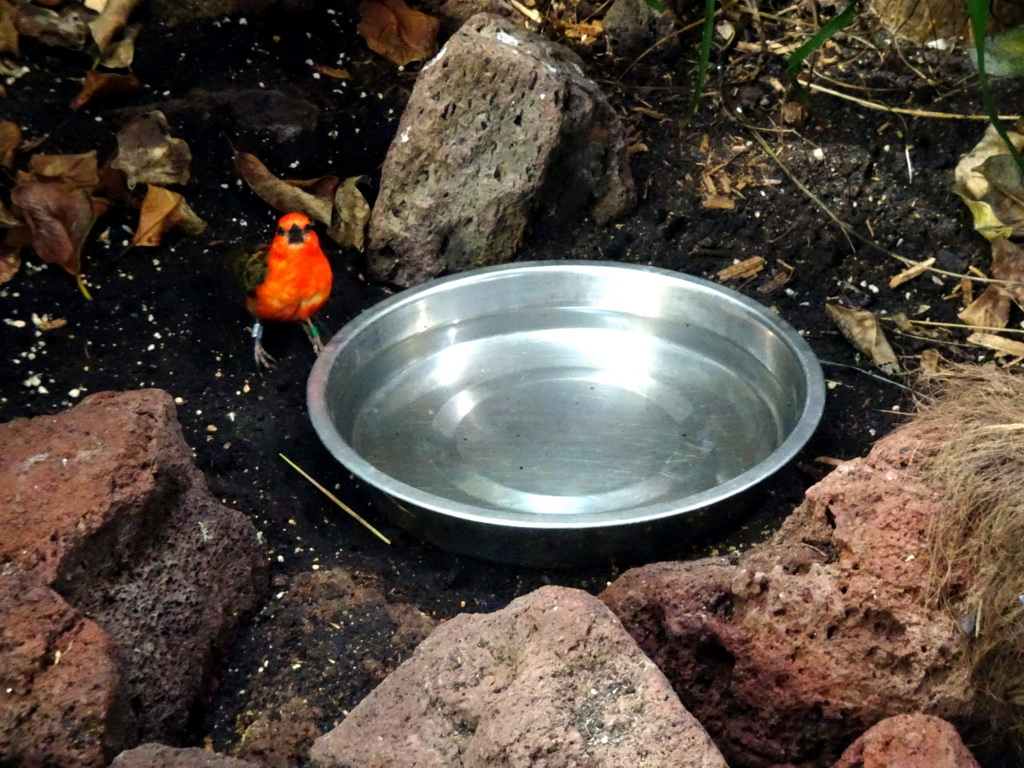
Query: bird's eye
281	232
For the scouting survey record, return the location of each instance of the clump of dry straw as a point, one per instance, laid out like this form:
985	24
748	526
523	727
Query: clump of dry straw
973	458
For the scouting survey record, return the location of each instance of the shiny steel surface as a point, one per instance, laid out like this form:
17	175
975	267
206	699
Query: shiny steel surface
509	410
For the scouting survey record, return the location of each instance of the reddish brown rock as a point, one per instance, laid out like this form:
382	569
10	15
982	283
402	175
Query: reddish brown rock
123	579
502	126
790	652
551	680
909	741
160	756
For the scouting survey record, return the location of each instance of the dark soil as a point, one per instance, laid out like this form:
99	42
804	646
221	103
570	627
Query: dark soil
171	317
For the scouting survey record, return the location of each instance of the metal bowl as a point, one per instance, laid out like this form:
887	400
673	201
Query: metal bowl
559	414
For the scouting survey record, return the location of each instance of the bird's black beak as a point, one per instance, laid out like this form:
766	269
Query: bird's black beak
296	235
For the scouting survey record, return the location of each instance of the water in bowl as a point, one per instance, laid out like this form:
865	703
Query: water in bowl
569	411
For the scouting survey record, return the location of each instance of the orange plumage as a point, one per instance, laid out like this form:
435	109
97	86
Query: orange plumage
298	279
287	282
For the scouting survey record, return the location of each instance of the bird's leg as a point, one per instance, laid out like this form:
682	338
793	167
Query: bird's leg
314	335
263	358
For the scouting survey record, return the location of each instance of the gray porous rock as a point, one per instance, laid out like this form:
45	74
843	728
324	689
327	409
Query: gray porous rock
789	653
455	13
909	741
502	125
550	681
632	27
123	580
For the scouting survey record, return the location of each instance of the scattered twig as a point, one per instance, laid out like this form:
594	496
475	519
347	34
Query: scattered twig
531	13
964	327
337	501
874	375
845	228
900	110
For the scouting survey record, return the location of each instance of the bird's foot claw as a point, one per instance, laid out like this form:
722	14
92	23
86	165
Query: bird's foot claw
263	358
313	333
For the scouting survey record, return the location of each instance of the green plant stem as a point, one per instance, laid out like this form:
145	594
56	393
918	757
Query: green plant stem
978	10
829	30
705	58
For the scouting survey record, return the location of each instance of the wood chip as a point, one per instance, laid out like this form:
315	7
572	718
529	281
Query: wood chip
47	324
651	113
967	290
718	202
829	460
930	359
333	72
997	343
911	272
746	268
778	279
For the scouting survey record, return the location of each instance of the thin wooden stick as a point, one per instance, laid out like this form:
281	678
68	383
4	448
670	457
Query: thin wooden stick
965	327
337	501
531	13
901	110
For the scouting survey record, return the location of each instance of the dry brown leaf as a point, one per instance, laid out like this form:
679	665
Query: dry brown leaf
121	54
861	328
323	187
990	310
163	210
10	262
59	215
113	183
985	178
1008	265
351	213
79	171
112	19
7	219
148	154
397	32
10	139
998	344
911	272
746	268
99	85
332	72
8	30
278	193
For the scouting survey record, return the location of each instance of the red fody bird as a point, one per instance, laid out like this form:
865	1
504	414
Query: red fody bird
289	281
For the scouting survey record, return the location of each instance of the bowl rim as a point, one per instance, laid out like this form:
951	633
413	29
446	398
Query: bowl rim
344	453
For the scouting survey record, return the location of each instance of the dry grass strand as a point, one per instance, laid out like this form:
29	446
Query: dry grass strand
974	428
